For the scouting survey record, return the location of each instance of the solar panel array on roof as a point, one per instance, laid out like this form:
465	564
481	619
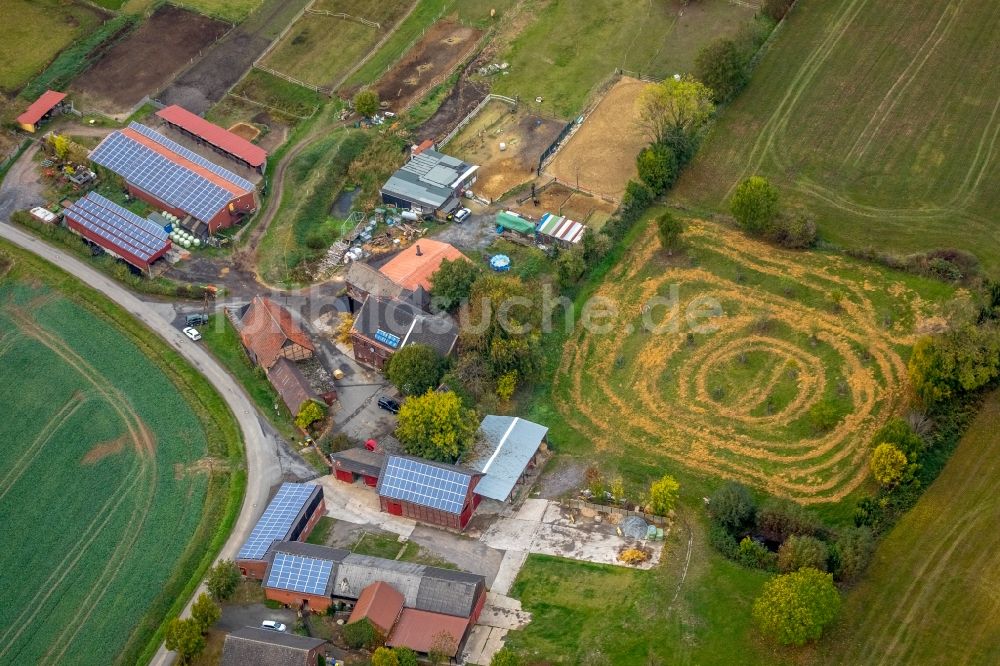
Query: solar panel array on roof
386	338
308	575
175	147
277	520
428	485
119	226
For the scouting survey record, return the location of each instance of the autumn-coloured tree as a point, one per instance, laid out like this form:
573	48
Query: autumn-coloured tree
436	426
888	464
794	608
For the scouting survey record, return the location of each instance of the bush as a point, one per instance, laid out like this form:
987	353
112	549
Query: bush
406	657
505	657
779	519
570	266
384	656
366	102
732	506
723	541
752	553
669	229
633	556
795	231
851	552
949	366
888	464
310	412
724	66
755	205
223	579
794	608
362	634
823	416
658	167
415	369
663	495
802	551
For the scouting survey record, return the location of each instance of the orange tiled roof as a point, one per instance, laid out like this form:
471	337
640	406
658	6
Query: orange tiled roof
410	270
267	327
381	603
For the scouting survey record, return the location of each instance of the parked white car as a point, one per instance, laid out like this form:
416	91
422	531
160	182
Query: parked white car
462	214
272	625
192	333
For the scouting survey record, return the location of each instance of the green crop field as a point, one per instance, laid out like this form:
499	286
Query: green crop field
34	31
881	119
116	475
569	48
744	361
930	596
320	48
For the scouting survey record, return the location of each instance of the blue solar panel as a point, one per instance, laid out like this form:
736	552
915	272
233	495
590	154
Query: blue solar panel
165	179
175	147
299	574
277	520
120	227
421	483
386	338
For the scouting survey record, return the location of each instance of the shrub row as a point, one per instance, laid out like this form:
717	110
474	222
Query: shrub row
948	264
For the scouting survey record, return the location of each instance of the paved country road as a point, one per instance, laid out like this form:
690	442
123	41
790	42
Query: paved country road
263	467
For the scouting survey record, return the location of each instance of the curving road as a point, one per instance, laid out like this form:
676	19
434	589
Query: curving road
263	467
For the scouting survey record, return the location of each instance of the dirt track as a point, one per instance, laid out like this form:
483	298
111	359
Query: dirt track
225	63
460	102
146	60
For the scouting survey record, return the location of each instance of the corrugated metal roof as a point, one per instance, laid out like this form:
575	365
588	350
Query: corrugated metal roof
561	228
506	445
251	645
215	135
421	630
40	107
357	572
426	179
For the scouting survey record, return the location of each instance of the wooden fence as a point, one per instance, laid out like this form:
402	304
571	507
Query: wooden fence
346	17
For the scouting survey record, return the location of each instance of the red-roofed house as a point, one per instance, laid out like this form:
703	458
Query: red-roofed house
412	268
381	604
41	109
222	139
268	333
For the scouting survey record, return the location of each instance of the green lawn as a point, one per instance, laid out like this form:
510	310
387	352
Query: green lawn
233	11
880	119
321	532
930	595
224	342
571	47
119	461
378	545
34	31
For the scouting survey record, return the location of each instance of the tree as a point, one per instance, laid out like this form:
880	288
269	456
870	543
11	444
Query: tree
723	66
669	228
366	102
60	145
949	365
657	166
776	9
406	657
888	464
505	657
310	412
452	282
570	266
663	495
205	612
675	107
223	579
851	552
794	608
504	321
506	385
384	656
415	369
755	204
732	506
436	426
779	519
344	329
802	551
595	246
184	637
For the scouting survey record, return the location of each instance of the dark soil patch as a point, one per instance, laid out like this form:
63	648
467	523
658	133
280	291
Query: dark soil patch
144	61
460	102
429	61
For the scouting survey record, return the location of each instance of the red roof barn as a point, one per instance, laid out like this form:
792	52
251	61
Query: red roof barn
269	333
40	109
381	604
222	139
428	491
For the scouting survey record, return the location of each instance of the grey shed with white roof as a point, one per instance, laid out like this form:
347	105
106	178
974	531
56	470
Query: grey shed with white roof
507	446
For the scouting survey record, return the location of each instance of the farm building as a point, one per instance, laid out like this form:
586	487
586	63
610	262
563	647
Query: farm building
118	231
268	333
428	491
290	384
560	229
511	221
302	574
222	140
289	516
252	645
382	327
412	267
167	175
422	632
507	448
430	182
353	463
41	110
364	281
379	603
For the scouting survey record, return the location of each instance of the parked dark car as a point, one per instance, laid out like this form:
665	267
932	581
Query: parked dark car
389	405
196	319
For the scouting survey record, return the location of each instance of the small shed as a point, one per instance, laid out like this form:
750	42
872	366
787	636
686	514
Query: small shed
40	110
561	229
353	463
510	221
506	449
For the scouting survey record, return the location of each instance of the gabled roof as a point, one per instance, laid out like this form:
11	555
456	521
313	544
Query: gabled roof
359	461
215	135
40	107
505	446
290	384
119	227
251	645
381	603
267	328
430	484
422	631
372	281
278	519
395	324
413	266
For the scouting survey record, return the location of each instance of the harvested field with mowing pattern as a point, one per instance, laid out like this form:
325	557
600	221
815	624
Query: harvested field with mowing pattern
142	63
719	359
525	138
600	156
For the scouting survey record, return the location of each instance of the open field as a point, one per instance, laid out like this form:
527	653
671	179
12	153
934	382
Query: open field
321	48
594	161
891	147
570	47
930	595
145	61
232	11
723	361
116	473
438	52
561	200
525	137
34	31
